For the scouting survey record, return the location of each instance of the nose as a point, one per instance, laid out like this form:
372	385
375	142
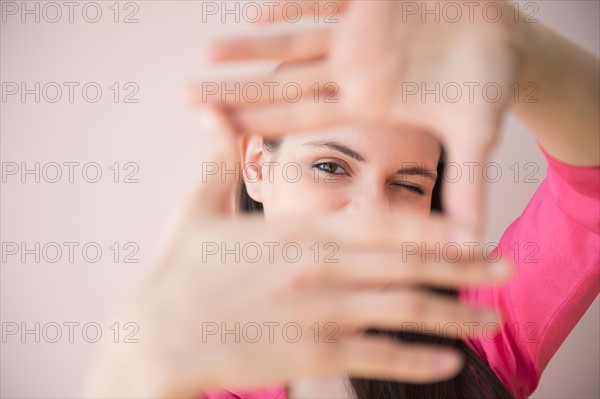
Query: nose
375	199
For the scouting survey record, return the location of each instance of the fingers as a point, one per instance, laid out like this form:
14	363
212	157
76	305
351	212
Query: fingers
360	356
416	268
386	249
363	232
220	169
288	85
289	47
274	120
464	193
326	11
411	310
384	230
381	358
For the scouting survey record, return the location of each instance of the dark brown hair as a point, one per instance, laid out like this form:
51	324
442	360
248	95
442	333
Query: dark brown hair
476	380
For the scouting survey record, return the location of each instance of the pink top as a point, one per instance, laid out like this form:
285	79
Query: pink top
555	246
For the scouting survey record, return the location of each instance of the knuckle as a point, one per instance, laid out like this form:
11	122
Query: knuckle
304	275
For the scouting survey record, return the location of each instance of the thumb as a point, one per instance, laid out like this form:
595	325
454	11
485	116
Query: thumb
220	170
464	190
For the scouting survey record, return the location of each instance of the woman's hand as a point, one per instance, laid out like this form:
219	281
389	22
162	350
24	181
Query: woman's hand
216	314
381	63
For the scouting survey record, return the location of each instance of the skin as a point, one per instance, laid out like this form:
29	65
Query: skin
396	48
181	285
348	169
365	288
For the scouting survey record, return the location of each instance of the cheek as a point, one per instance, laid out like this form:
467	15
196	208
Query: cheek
413	204
295	191
422	207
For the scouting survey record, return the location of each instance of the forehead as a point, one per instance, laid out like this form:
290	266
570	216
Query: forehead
375	143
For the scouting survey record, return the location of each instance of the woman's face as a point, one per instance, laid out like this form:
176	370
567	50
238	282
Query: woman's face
342	169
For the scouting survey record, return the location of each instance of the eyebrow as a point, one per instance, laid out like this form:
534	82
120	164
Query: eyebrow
336	146
412	169
417	171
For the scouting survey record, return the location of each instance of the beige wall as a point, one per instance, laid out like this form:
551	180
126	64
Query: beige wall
158	54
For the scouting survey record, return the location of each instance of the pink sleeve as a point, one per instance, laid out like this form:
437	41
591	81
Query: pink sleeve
555	247
275	392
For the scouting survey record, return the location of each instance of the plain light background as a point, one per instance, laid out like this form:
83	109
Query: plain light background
160	54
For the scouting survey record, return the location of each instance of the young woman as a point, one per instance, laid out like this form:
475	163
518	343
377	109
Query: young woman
364	168
371	54
195	310
199	310
353	170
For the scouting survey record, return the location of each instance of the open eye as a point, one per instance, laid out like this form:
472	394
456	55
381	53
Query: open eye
331	168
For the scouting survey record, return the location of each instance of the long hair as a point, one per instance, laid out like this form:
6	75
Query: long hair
476	380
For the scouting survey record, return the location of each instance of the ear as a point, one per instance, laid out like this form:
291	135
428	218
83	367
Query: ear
252	157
